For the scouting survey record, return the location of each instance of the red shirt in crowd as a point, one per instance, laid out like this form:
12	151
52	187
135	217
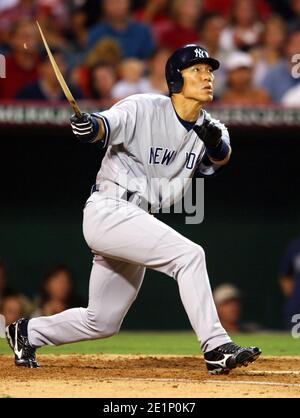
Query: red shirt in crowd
16	78
158	24
224	7
174	36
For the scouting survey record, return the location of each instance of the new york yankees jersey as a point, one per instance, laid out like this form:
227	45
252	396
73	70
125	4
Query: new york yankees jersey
149	151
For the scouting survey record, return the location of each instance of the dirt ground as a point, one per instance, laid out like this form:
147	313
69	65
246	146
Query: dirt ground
137	376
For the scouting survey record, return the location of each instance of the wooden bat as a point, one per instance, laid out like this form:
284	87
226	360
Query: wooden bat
59	77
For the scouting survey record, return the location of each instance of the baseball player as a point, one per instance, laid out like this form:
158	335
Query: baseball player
148	137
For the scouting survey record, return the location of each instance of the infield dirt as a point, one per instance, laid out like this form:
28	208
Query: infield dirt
146	376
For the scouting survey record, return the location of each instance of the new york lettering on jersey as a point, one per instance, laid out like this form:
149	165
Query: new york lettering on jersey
164	156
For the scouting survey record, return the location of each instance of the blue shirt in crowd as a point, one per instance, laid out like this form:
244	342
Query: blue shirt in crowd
135	41
279	80
34	91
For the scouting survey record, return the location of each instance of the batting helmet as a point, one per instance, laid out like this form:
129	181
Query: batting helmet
185	57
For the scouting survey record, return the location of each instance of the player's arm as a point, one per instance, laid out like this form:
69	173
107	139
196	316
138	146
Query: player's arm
90	129
217	149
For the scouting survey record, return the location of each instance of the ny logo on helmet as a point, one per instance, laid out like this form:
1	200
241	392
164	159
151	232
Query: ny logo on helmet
200	53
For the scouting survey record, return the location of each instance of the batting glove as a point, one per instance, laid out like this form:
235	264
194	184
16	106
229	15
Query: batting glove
85	127
209	133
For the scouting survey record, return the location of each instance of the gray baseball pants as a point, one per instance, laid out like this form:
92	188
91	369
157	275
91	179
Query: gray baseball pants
126	240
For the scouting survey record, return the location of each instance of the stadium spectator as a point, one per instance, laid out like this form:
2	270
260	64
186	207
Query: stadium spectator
270	50
21	63
183	29
289	280
244	29
77	38
155	82
103	79
106	51
91	8
45	11
54	10
57	293
49	11
13	12
131	79
7	4
13	307
156	14
294	21
224	7
46	87
134	37
281	7
280	78
210	29
240	90
228	302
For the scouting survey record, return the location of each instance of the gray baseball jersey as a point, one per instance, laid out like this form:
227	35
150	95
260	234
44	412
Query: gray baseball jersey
147	143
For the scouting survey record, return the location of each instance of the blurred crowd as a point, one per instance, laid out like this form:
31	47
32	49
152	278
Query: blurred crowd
55	295
109	49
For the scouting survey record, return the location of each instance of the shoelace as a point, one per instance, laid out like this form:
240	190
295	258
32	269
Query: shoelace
29	352
229	348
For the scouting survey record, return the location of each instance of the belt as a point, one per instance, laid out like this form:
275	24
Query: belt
127	195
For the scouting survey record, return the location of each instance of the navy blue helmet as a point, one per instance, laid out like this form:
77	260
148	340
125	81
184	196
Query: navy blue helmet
185	57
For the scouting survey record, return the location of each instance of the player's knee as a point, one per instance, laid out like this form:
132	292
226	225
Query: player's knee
192	255
100	326
199	252
194	252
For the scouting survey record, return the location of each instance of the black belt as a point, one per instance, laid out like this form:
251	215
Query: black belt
144	204
95	188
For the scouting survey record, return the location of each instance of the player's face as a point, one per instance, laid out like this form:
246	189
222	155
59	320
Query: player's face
198	83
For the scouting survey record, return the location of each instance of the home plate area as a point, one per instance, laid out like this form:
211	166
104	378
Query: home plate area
134	376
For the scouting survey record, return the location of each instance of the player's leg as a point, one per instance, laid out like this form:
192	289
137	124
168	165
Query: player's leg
114	285
121	230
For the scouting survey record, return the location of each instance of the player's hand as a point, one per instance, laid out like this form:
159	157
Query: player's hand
209	133
85	128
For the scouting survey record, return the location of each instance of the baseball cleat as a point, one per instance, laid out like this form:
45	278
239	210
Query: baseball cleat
17	338
229	356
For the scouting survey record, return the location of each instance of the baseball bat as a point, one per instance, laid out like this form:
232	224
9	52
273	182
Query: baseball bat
59	76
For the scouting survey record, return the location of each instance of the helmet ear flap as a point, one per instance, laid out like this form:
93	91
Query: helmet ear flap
177	83
174	78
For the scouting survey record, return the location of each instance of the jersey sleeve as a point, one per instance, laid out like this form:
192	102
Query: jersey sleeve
206	168
119	122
